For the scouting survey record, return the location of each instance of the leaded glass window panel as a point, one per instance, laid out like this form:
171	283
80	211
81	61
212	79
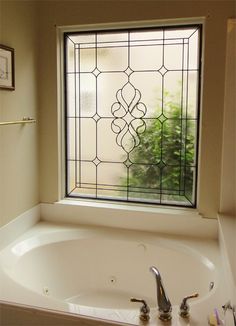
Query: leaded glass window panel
132	108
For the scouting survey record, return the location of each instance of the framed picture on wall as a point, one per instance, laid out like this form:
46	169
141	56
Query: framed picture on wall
7	78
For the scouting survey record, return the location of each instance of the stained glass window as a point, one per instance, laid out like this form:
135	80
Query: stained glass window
132	111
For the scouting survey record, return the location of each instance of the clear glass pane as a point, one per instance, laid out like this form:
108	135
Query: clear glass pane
192	95
177	33
149	148
70	56
193	51
86	175
173	62
71	139
70	95
149	85
86	139
82	38
87	59
86	94
146	35
108	85
118	37
149	180
107	143
112	58
110	175
71	181
139	53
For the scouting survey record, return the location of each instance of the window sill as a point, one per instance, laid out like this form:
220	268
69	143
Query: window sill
173	221
129	206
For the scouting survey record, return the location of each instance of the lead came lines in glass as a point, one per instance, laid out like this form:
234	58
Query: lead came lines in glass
154	158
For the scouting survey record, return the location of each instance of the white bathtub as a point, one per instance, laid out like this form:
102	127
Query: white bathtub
95	271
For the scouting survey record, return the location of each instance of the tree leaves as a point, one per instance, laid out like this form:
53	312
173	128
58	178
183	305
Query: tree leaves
164	158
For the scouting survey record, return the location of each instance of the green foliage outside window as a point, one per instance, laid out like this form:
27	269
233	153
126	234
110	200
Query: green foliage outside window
165	157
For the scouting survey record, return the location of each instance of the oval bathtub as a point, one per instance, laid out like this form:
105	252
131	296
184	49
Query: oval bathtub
102	269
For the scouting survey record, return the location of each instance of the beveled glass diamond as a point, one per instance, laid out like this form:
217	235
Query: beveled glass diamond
128	163
96	161
129	71
163	70
162	118
96	117
96	72
161	164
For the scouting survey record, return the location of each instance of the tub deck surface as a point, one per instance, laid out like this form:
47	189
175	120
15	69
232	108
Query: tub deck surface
93	272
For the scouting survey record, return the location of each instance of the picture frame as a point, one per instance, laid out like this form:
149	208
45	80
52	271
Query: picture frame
7	68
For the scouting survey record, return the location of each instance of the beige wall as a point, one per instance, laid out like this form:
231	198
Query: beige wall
61	13
228	183
19	144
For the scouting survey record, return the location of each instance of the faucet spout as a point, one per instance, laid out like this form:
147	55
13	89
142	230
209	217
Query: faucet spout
163	301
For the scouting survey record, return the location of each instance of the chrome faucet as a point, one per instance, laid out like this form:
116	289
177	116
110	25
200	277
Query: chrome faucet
163	302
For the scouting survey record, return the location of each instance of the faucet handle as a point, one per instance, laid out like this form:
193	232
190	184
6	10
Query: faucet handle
184	307
144	310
